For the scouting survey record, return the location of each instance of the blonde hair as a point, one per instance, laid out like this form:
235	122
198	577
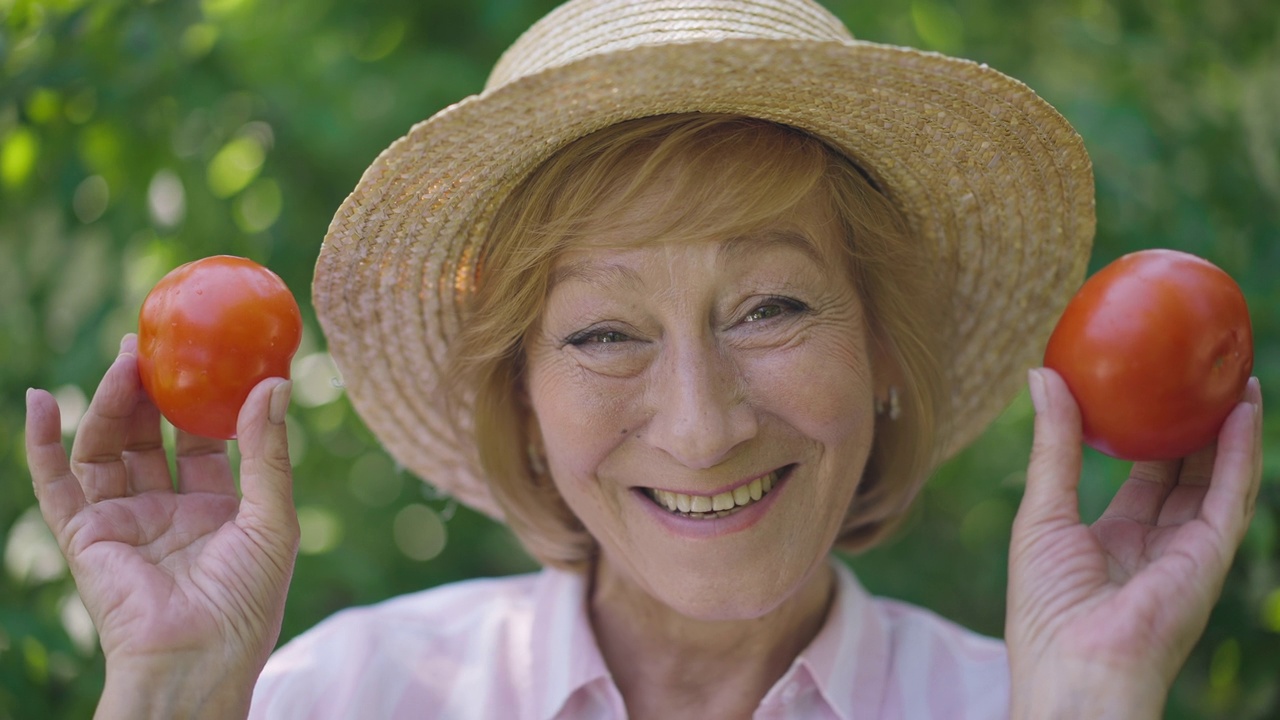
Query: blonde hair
762	172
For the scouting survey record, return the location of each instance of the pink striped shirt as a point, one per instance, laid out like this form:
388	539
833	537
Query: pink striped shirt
522	648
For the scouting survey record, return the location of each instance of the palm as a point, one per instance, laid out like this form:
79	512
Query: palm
1134	589
1113	581
168	571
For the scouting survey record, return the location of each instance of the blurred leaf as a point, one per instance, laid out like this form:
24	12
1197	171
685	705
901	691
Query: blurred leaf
135	136
18	157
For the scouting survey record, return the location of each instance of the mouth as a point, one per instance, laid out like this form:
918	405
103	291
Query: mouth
707	507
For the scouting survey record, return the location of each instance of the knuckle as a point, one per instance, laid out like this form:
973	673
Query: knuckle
276	464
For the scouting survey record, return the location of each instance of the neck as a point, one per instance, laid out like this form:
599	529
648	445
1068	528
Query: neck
667	665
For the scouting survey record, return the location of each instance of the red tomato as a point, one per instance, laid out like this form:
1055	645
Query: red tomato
210	331
1156	348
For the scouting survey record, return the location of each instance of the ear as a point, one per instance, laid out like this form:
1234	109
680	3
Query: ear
886	370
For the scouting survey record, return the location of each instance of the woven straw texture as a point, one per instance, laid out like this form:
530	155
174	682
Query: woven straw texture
990	177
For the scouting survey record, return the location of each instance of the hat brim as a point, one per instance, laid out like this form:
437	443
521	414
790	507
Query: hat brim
989	176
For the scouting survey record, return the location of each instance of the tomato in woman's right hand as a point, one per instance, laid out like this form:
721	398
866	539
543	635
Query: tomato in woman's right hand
210	331
1156	348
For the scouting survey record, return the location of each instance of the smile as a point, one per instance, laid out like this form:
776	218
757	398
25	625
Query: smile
706	507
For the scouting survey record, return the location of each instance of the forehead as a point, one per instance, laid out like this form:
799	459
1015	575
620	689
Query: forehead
595	263
659	215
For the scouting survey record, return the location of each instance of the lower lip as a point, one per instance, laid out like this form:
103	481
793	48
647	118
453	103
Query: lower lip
699	529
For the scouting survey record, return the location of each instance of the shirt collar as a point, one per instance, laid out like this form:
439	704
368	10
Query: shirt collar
846	663
564	646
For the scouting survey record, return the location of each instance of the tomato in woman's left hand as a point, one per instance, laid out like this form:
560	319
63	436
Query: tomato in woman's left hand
1156	348
210	331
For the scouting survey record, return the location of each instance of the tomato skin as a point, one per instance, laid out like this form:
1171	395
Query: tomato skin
210	331
1156	348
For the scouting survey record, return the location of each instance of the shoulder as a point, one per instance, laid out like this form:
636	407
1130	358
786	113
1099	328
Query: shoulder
409	651
963	668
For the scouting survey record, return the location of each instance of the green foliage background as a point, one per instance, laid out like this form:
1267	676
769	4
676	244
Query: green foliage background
135	136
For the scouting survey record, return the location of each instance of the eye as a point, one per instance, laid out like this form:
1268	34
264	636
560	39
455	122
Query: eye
774	307
596	337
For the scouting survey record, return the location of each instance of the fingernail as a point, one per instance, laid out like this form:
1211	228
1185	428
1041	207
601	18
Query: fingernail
279	402
1039	395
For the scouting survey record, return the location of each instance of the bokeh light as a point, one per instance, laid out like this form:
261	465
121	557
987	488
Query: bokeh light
419	532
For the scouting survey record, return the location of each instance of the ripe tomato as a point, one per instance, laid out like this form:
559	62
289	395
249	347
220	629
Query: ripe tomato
210	331
1156	348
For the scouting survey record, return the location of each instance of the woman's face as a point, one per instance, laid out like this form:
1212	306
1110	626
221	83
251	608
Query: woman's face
695	375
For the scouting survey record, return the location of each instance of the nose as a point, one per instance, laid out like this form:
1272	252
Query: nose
700	412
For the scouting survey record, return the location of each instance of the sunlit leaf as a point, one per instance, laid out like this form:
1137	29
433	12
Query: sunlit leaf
18	155
223	8
235	166
199	39
43	105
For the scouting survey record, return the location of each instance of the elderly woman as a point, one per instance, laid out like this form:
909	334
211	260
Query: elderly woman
692	294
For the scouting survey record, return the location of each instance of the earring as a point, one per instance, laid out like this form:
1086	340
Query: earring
893	407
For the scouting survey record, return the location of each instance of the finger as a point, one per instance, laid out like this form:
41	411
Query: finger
146	465
1237	469
57	489
1145	492
145	461
1054	471
1186	497
97	453
203	465
266	476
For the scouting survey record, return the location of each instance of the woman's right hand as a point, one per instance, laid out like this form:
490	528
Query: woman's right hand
186	586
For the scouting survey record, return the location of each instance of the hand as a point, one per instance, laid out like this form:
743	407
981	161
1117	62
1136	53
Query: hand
1102	617
185	587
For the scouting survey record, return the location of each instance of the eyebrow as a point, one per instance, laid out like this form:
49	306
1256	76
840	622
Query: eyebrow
600	274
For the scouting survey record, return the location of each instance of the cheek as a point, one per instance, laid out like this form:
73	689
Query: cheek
825	391
580	421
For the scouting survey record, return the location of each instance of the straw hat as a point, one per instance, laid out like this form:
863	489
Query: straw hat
987	174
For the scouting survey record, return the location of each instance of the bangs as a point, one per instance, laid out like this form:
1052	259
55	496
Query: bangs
679	178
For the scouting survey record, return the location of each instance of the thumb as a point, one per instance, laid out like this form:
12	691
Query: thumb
1053	474
266	475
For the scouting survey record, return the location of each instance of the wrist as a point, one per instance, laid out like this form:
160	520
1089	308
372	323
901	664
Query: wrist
1085	690
174	691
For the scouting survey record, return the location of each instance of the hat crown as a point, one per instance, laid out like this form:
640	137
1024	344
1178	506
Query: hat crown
582	28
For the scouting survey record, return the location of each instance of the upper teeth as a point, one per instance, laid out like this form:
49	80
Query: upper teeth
738	497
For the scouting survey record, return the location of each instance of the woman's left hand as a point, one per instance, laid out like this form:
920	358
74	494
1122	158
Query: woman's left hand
1102	617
